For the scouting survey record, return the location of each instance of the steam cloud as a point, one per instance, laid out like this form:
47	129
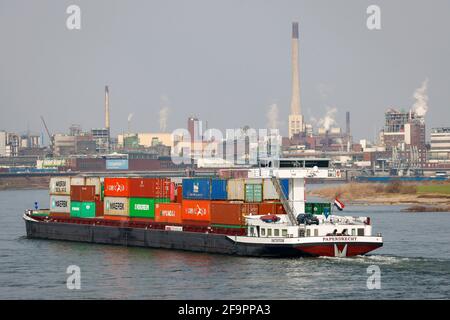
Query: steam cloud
272	117
420	107
329	119
130	116
164	113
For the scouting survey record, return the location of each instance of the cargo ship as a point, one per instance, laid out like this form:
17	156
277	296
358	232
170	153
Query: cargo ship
263	215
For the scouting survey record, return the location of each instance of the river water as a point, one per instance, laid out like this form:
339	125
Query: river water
414	264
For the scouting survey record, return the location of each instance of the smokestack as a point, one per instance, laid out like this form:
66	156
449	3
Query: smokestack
347	123
295	101
106	107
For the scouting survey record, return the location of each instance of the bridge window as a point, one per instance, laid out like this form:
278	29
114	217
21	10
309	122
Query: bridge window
284	233
360	232
263	232
353	232
276	232
308	232
316	232
269	232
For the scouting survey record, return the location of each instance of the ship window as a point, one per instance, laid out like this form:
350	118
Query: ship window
316	232
353	232
252	231
360	232
308	232
284	233
269	232
263	232
276	232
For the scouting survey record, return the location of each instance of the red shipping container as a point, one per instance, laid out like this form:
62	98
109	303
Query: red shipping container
99	208
280	209
179	193
196	210
168	213
117	187
82	193
149	188
250	209
226	213
267	208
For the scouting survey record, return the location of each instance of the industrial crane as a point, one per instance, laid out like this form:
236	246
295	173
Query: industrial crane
52	140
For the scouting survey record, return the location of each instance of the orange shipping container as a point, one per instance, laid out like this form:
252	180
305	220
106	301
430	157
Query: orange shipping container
250	209
117	187
227	213
168	212
267	208
196	210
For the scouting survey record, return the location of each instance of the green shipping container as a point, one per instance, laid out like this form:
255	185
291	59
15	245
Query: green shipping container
82	209
145	207
253	193
317	207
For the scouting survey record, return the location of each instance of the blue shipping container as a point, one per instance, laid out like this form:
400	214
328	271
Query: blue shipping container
117	164
219	189
205	189
285	187
197	188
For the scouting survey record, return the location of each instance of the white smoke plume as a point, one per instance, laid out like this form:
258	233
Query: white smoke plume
272	117
328	120
420	107
129	117
164	113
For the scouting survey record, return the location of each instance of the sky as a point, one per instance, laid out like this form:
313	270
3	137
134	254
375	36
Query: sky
225	62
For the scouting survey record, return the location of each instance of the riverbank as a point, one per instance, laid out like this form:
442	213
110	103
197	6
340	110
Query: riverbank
430	197
23	182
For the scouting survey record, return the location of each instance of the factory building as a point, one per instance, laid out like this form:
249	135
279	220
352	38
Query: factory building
440	145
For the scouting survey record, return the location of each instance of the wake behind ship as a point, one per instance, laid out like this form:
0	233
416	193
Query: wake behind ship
263	215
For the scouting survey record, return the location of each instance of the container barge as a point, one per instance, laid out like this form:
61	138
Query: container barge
264	215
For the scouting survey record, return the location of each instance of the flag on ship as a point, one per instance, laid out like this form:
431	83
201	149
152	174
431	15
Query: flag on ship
339	205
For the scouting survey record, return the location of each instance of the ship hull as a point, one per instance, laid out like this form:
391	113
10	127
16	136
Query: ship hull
188	241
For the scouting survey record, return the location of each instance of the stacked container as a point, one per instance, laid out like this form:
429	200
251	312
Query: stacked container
60	196
82	201
136	197
205	189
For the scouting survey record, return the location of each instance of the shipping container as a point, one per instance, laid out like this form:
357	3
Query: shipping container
269	191
223	213
219	189
77	181
250	209
149	187
60	186
116	206
116	187
179	194
196	210
197	188
317	207
236	189
82	193
168	213
99	208
116	164
267	208
82	209
142	208
95	181
59	204
253	193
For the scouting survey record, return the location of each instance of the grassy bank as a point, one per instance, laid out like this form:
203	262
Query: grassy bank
434	196
18	183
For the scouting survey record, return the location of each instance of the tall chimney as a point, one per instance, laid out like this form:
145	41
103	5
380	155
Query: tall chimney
296	125
295	101
106	107
347	123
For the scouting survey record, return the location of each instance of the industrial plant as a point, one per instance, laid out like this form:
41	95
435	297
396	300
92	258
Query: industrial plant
402	147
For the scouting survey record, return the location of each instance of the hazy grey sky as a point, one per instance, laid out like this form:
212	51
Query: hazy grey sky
223	61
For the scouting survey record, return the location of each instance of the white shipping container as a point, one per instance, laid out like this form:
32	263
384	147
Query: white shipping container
60	185
269	191
254	181
117	206
77	181
236	189
94	181
60	204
